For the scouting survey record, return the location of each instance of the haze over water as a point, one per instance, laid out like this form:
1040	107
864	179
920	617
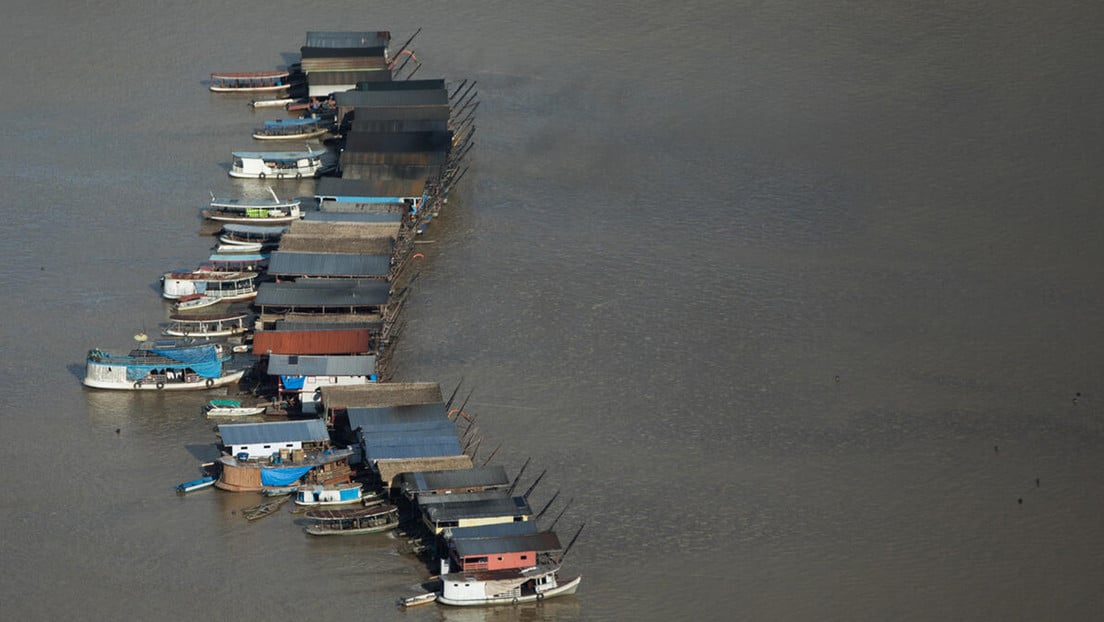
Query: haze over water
800	302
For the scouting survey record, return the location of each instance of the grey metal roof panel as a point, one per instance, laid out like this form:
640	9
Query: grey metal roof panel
347	78
283	263
344	51
539	542
336	187
402	113
354	216
318	293
392	171
425	501
494	475
390	142
507	506
404	85
310	430
493	530
347	38
373	99
320	324
367	417
320	365
413	446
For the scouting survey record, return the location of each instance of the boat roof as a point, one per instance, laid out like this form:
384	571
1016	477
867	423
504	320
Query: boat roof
295	122
242	258
273	432
540	542
207	317
502	506
420	481
329	264
321	365
277	155
260	75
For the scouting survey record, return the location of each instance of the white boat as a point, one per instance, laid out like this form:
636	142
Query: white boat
279	102
276	164
328	494
221	285
207	325
505	587
420	599
293	129
238	247
162	365
249	81
192	302
253	211
232	408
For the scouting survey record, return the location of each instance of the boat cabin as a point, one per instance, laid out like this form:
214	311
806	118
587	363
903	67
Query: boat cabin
225	286
207	325
427	484
276	164
441	516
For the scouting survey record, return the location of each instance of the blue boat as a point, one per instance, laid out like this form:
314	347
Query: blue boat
196	484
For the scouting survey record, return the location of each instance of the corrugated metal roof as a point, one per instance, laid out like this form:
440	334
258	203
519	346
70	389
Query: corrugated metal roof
396	125
369	416
322	293
385	394
508	506
415	446
404	85
492	531
425	501
381	245
372	99
325	324
350	160
346	79
345	230
302	341
539	542
345	51
422	481
347	38
283	263
333	188
391	142
307	430
320	365
355	172
402	113
347	217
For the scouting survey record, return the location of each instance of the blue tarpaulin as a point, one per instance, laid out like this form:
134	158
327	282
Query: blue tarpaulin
282	477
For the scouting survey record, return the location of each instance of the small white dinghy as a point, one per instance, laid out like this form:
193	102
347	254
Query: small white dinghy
232	408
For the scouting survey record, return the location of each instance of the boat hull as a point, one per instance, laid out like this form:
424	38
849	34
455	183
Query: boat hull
200	385
563	589
298	136
319	531
194	485
235	412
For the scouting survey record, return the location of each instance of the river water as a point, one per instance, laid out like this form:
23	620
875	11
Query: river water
800	302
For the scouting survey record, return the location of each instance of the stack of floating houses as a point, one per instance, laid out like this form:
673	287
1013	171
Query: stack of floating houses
297	311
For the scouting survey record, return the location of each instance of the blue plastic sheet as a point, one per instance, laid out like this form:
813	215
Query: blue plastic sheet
282	477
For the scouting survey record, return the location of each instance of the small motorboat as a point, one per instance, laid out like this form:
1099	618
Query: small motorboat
196	484
232	408
192	302
420	599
